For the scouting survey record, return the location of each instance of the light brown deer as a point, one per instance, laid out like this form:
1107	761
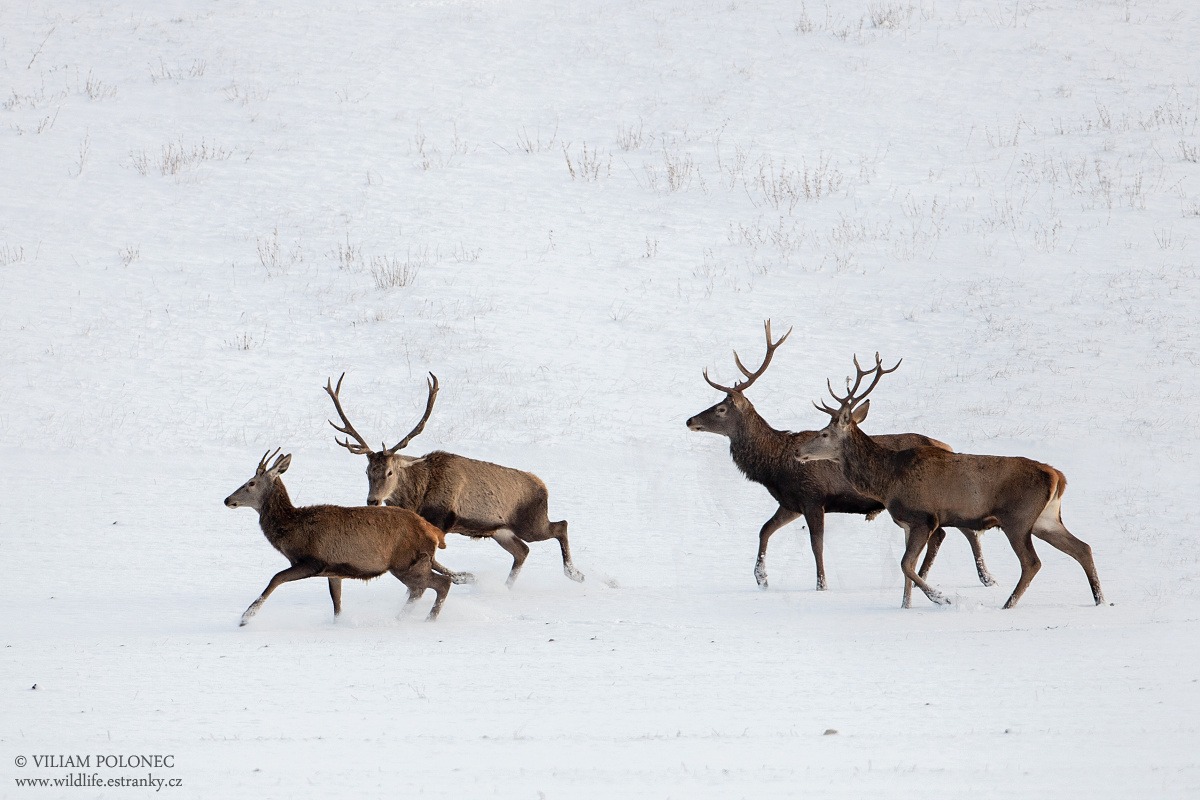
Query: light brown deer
924	487
337	542
766	455
456	493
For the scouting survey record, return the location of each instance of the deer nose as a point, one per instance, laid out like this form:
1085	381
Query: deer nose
693	425
229	501
373	502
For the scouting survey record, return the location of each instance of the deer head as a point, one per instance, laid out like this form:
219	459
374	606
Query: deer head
253	492
385	466
725	416
849	414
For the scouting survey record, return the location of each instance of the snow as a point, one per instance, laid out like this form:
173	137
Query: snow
566	212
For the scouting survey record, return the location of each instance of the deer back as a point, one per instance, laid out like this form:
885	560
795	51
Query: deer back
479	494
354	541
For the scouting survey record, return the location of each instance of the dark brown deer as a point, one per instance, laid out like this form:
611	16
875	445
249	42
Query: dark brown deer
924	487
766	455
456	493
337	542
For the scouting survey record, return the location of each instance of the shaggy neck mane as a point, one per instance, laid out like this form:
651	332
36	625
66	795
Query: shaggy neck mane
277	504
866	464
758	449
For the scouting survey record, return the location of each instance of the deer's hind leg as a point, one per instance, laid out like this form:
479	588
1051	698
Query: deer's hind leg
1050	529
559	531
455	577
419	577
533	525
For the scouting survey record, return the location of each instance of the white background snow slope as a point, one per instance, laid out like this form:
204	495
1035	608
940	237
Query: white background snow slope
567	211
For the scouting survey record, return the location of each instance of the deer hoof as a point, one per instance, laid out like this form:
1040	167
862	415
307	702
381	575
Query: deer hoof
573	573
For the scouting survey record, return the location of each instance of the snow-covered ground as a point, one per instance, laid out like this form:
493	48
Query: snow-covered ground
567	211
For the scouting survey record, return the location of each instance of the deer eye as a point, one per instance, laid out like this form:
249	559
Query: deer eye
251	483
389	473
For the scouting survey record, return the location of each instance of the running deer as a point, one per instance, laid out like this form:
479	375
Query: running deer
456	493
924	487
766	456
337	542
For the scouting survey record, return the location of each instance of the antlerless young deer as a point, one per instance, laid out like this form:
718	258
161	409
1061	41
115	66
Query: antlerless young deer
459	494
766	455
337	542
924	487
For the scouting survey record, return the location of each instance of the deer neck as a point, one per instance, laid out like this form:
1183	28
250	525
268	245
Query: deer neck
867	465
277	514
758	449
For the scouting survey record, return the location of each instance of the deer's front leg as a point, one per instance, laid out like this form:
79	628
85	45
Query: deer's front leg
780	518
295	572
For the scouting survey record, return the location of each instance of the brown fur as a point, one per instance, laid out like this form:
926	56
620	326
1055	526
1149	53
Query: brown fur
339	542
926	487
767	456
471	497
459	494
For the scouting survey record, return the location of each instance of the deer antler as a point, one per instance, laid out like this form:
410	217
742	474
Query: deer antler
362	448
852	398
751	377
262	465
433	390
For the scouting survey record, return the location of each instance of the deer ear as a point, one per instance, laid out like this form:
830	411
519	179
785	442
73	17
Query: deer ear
409	461
860	413
281	465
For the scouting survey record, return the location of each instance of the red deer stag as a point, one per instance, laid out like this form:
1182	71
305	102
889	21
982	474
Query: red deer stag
458	494
766	456
924	487
336	542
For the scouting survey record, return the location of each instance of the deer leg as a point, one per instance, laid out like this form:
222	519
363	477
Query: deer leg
985	577
1022	545
559	530
335	594
815	520
780	518
418	578
415	590
538	528
415	577
931	550
906	602
455	577
917	536
520	551
296	572
441	585
1058	536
